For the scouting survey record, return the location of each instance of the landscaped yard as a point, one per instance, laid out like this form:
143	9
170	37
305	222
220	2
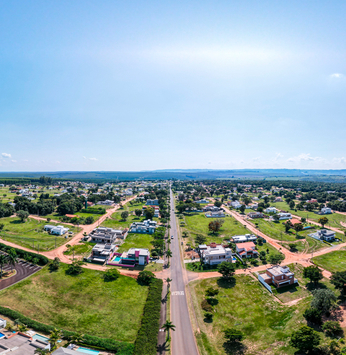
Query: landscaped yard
333	261
30	234
83	303
249	307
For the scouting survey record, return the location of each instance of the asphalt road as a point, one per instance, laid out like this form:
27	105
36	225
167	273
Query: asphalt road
183	340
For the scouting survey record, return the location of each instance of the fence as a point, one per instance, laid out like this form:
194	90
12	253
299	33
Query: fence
261	280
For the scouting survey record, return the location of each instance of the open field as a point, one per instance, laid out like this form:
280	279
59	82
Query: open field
134	240
116	222
9	196
31	234
247	305
83	303
333	261
82	248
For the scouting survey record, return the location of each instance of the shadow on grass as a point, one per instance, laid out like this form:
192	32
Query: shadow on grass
290	288
226	283
311	286
234	348
17	221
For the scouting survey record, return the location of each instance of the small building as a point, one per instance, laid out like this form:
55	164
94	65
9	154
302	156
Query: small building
154	202
101	252
271	210
278	199
214	254
326	210
295	221
284	215
246	250
279	276
56	230
107	235
236	204
324	234
255	214
219	214
203	200
244	238
211	208
146	227
106	203
2	323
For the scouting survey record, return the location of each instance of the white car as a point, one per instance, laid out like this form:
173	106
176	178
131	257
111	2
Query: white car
172	237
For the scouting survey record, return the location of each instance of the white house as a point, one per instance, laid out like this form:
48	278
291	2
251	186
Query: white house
215	254
326	210
244	238
56	230
236	204
284	215
324	234
271	210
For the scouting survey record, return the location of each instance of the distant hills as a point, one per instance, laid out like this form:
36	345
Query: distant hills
189	174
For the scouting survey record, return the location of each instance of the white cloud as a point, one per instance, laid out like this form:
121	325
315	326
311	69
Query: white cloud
256	159
305	158
14	161
84	157
341	160
94	159
278	156
26	160
336	75
6	155
58	162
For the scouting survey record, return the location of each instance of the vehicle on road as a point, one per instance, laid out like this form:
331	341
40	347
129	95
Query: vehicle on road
172	236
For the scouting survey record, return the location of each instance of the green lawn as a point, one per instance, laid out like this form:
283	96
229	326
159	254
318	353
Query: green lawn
333	261
83	248
84	303
249	307
31	234
9	196
116	222
134	240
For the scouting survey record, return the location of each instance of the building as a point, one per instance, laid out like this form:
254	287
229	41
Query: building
324	234
147	227
203	200
284	215
271	210
107	235
244	238
56	230
21	344
2	323
211	208
326	210
279	276
295	221
236	204
255	214
246	250
219	214
278	199
153	202
101	252
214	254
130	258
106	203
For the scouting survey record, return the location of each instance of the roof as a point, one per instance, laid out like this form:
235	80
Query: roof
62	351
71	215
295	221
246	245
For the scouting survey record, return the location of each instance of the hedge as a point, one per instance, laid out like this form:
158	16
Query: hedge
94	210
42	260
120	348
146	342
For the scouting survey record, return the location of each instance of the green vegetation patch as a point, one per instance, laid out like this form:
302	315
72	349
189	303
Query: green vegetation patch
333	261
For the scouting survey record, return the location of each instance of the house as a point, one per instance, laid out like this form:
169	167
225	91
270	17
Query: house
106	203
236	204
66	351
244	238
2	323
56	230
255	214
19	343
278	199
246	250
313	200
203	200
279	276
219	214
284	215
107	235
324	234
215	254
326	210
101	252
295	221
153	202
146	227
271	210
139	256
211	208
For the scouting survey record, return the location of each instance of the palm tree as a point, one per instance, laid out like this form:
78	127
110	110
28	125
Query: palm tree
3	262
76	338
54	336
23	328
42	351
17	323
169	254
168	280
168	326
12	258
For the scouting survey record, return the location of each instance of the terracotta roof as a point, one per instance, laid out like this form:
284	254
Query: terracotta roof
295	221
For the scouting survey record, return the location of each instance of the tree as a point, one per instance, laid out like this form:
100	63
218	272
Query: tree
54	336
23	215
218	203
168	280
169	254
168	326
324	300
303	220
215	226
111	275
288	226
323	221
54	266
200	239
332	328
211	292
313	273
23	328
138	212
338	279
185	235
75	268
276	258
145	277
90	220
149	213
313	315
276	217
298	227
242	208
3	262
40	351
226	269
292	204
124	215
12	258
293	246
233	335
1	226
305	339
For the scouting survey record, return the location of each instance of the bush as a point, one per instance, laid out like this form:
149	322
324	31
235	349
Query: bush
313	315
111	275
26	255
206	306
145	278
75	268
89	220
332	328
146	341
94	210
121	348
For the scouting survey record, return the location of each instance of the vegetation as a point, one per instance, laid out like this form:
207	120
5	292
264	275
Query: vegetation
333	261
305	339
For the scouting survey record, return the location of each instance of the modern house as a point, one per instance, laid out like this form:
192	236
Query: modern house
278	199
255	214
219	214
211	208
101	252
107	235
215	254
326	210
21	344
147	227
203	200
246	250
324	234
56	230
153	202
236	204
271	210
244	238
130	258
284	215
106	203
279	276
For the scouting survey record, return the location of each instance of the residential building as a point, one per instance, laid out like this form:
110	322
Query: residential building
107	235
21	344
106	203
246	250
236	204
215	254
146	227
324	234
219	214
271	210
56	230
211	208
255	214
295	221
2	323
278	199
326	210
203	200
279	276
154	202
101	252
244	238
284	215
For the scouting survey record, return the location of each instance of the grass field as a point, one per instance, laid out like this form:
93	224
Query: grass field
83	249
116	222
134	240
333	261
84	303
31	234
248	306
9	196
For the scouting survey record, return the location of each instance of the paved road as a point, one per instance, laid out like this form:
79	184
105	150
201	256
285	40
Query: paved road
183	340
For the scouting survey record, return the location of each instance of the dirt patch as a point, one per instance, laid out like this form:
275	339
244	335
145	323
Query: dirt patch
338	315
190	254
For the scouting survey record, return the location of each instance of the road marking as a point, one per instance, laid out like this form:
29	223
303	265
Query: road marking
178	293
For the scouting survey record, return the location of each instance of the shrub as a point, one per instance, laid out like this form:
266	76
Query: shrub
206	306
332	328
26	255
313	315
111	275
146	341
145	278
75	268
211	292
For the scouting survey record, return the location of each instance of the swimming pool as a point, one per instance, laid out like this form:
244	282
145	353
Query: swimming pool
117	259
88	351
40	337
2	335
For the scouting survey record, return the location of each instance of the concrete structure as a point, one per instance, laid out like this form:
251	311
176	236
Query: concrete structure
246	250
271	210
101	252
255	214
56	230
2	323
215	254
147	227
324	234
219	214
107	235
244	238
326	210
152	202
106	203
284	215
211	208
279	276
21	344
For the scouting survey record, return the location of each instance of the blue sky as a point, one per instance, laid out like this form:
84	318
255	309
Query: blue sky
141	85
